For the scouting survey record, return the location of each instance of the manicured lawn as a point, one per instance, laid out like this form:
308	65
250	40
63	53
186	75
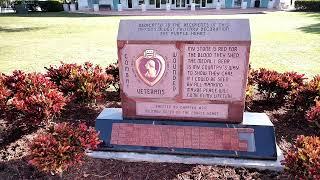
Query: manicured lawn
281	41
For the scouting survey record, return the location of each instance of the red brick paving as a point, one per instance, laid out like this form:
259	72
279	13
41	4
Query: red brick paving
171	136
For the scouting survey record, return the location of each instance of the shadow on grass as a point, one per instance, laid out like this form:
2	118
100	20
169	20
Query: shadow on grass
313	15
9	30
313	28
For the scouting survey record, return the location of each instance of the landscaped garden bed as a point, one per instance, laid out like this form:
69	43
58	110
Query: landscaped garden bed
39	112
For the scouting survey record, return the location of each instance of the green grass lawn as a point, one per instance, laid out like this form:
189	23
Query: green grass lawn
282	41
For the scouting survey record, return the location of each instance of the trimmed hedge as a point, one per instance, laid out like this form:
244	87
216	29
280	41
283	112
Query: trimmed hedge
50	6
45	6
307	5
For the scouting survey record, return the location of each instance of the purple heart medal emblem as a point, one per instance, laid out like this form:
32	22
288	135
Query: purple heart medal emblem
150	67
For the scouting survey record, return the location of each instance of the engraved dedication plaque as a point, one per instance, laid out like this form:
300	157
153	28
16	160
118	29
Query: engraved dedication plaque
184	69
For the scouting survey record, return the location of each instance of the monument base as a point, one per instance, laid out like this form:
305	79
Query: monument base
254	138
185	159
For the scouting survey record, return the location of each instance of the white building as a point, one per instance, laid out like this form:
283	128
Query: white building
174	4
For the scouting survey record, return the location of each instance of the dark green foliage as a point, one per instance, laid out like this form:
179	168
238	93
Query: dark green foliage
307	5
50	6
113	71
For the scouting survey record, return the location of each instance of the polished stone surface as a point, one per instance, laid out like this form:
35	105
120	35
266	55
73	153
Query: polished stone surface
184	69
254	138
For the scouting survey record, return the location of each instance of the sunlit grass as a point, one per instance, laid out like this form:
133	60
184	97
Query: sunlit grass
282	41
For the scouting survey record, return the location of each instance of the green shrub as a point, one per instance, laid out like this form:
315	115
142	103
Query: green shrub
307	5
303	160
50	6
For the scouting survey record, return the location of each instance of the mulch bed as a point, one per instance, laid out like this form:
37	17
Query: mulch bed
14	165
120	170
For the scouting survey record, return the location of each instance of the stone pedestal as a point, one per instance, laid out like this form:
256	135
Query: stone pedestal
253	138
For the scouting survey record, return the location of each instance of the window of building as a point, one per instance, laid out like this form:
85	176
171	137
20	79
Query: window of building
173	1
151	1
209	1
129	3
163	1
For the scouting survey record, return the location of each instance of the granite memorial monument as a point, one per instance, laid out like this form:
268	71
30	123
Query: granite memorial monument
182	90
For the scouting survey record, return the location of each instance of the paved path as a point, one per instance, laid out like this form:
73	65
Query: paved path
181	12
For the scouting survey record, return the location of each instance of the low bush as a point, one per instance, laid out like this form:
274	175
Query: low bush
251	75
303	160
50	6
62	146
113	70
5	94
313	115
275	85
85	83
292	80
268	83
31	99
250	89
307	5
306	95
249	96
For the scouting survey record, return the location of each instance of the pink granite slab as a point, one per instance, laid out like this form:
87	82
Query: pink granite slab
171	74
